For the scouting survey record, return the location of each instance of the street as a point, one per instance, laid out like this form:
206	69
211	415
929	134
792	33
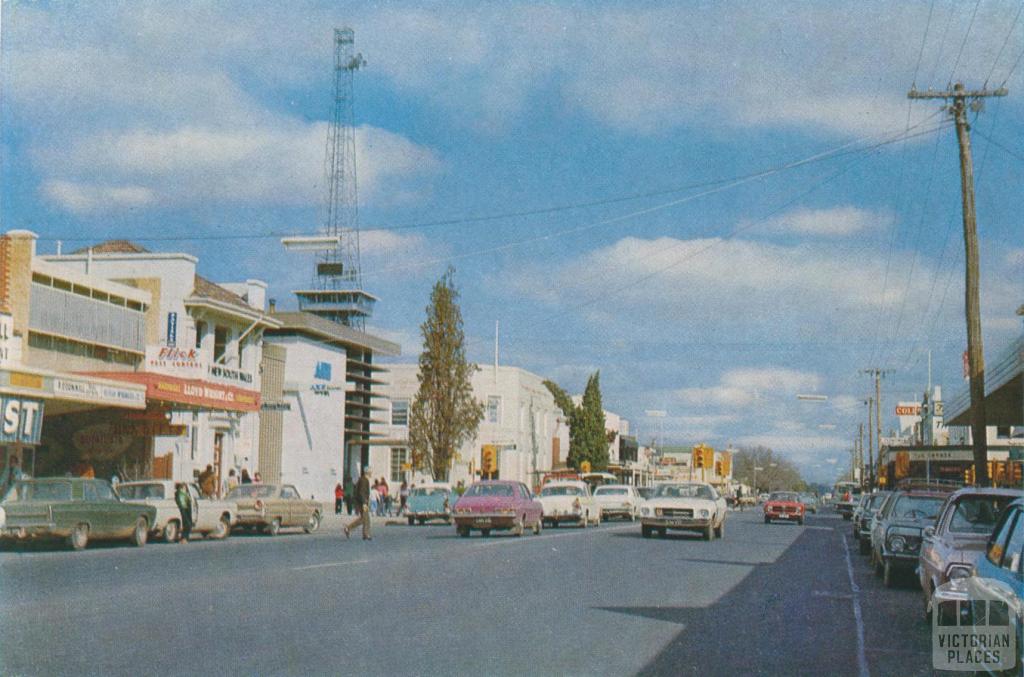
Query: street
766	600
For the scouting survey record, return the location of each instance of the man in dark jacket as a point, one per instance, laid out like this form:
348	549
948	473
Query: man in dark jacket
362	499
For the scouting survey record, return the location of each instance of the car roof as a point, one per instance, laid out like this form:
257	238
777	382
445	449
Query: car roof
567	483
988	491
433	485
163	482
614	486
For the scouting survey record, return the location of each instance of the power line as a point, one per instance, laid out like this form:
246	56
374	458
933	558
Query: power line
924	39
998	145
1006	41
956	63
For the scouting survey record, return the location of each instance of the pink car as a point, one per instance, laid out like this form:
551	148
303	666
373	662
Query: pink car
497	504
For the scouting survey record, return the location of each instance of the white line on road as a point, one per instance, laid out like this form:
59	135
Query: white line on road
862	659
332	564
821	528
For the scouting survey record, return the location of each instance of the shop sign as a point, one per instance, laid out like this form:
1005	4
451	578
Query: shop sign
323	371
99	393
952	455
275	406
219	371
21	420
908	410
172	329
171	361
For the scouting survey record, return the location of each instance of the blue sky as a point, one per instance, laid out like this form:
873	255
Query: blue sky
717	304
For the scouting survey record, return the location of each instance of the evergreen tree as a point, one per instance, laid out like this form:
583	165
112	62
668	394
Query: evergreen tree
587	437
444	414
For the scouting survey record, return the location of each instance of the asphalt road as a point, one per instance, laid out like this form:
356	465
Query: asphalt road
772	600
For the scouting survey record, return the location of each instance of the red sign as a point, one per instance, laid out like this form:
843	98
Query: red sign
192	392
908	410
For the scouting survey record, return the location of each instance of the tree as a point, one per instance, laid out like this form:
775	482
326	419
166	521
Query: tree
774	472
587	436
444	413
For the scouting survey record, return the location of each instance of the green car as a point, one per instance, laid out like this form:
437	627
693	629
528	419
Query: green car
74	509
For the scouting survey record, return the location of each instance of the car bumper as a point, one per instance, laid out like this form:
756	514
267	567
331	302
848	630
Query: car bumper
784	515
676	522
618	511
563	516
485	521
29	531
901	560
429	515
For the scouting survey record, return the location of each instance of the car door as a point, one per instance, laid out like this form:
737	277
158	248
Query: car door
935	546
293	511
200	508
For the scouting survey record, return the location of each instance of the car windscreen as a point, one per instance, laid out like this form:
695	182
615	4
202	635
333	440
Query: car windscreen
251	491
977	514
39	491
561	491
429	491
783	496
611	491
684	491
489	490
916	507
138	492
875	501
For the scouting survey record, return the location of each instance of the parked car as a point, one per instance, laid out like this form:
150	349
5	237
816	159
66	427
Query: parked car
858	510
951	549
1000	573
897	530
491	505
810	503
692	506
271	507
784	505
870	505
569	501
76	509
429	501
618	500
210	517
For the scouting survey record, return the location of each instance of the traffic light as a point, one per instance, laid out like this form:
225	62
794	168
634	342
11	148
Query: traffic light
726	464
698	457
709	457
969	475
489	459
718	468
1016	473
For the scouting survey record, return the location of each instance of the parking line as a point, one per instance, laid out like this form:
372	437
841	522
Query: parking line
862	659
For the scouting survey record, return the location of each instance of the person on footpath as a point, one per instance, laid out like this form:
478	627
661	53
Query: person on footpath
231	482
385	498
339	498
208	481
375	499
739	497
184	503
403	498
245	476
362	499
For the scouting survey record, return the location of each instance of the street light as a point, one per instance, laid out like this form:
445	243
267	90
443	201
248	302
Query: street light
812	398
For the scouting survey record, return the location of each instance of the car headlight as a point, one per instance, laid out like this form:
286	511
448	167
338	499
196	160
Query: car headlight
705	513
645	511
897	543
958	572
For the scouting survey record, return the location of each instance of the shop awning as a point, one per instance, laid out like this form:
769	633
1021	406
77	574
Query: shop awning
193	393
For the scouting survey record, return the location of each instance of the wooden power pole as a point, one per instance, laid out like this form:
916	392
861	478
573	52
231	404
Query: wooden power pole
962	100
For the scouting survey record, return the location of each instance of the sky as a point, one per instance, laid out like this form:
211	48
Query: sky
719	206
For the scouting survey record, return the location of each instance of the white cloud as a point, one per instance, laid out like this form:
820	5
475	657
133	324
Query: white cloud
742	387
837	221
268	165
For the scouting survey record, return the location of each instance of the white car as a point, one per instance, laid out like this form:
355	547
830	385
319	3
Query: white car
211	517
618	500
686	506
569	501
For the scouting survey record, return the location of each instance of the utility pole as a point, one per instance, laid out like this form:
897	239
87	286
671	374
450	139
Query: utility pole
860	454
876	462
871	447
972	301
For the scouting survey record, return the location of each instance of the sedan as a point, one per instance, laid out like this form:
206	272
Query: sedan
691	506
569	501
784	505
898	528
271	507
210	517
500	505
618	500
77	510
954	545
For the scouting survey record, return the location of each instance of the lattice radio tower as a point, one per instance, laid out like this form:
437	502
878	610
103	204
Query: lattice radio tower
337	292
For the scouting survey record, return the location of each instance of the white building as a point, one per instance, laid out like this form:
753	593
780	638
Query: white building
520	418
203	345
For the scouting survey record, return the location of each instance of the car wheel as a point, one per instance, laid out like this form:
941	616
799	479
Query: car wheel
223	529
887	573
864	546
274	528
313	524
585	521
878	566
462	531
518	527
645	531
632	517
79	537
422	521
800	521
171	530
140	533
485	532
767	520
554	524
720	531
662	532
412	521
709	533
928	606
537	528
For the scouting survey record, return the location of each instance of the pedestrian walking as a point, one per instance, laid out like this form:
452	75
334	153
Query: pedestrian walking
403	498
339	498
739	497
232	481
375	499
184	503
362	499
385	498
245	476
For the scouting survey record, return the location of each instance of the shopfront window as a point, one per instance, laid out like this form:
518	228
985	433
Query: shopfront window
220	343
399	412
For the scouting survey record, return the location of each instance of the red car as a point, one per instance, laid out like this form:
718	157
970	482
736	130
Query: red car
784	505
497	505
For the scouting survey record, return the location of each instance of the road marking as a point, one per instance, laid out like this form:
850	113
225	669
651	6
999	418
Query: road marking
821	528
332	564
862	659
830	595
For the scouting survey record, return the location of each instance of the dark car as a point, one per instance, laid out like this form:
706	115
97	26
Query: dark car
898	529
74	509
870	505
